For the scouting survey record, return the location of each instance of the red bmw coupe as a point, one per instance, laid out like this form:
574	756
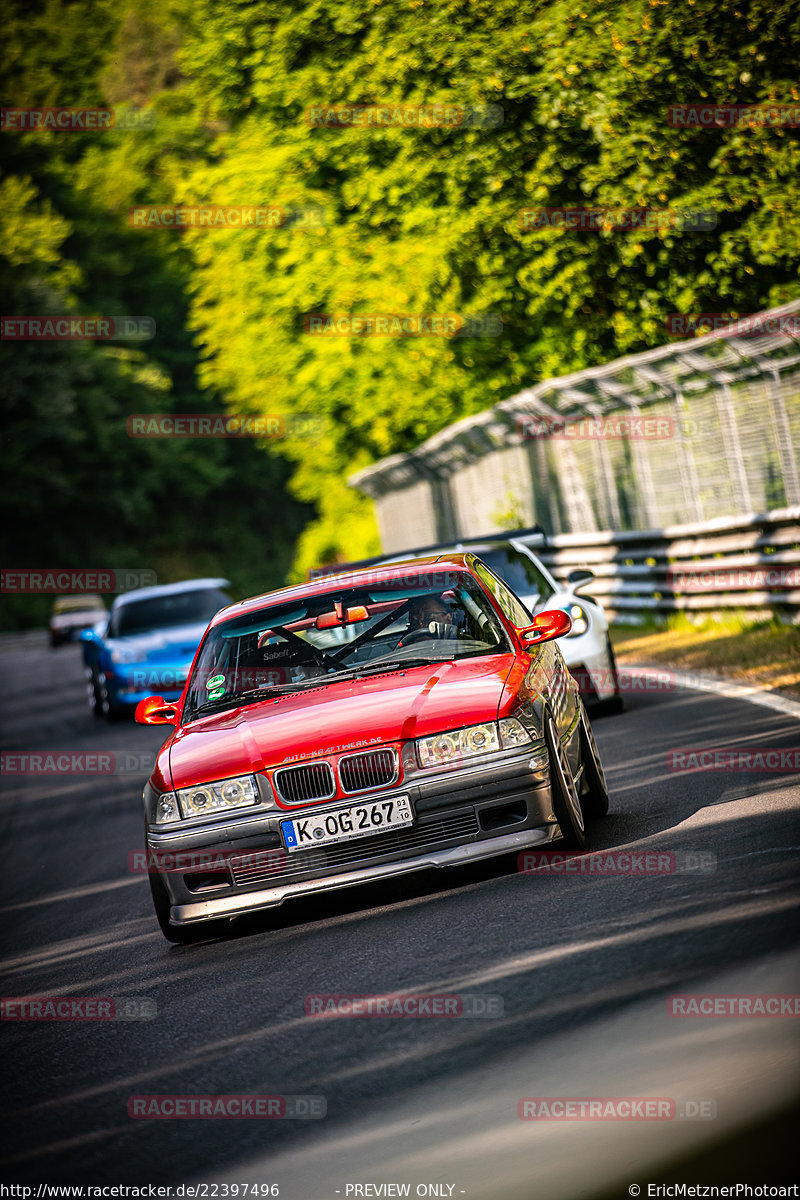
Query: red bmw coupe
386	720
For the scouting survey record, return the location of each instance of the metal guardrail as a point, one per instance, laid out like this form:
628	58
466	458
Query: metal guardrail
737	563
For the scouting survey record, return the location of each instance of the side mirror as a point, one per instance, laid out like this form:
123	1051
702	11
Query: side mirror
547	625
154	710
578	578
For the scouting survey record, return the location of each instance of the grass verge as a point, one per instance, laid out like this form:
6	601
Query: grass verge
761	652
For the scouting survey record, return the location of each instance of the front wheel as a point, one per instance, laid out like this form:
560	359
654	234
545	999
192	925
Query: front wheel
594	800
180	935
566	803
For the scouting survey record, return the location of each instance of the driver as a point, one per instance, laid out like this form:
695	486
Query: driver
425	611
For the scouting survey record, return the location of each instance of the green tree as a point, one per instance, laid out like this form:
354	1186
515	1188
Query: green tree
79	491
427	220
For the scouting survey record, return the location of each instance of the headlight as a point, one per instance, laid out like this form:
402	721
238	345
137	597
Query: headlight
459	743
471	741
207	799
580	620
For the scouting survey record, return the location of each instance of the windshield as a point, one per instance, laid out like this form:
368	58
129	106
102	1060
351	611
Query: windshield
520	573
344	632
159	612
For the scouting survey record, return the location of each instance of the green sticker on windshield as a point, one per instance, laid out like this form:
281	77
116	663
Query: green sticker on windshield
216	695
218	681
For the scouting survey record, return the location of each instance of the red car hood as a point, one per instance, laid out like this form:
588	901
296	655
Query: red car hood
338	717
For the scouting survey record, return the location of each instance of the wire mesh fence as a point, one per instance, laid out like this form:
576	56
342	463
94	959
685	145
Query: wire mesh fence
691	432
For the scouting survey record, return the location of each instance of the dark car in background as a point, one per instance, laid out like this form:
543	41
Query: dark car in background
71	615
148	643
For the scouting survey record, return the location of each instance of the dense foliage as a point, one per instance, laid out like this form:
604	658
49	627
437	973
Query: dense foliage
418	220
79	491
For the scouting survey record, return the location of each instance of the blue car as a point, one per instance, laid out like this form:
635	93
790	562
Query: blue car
147	644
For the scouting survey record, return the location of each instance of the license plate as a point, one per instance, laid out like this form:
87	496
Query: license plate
360	820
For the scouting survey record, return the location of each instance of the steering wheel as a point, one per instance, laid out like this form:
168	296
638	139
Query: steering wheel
445	631
416	635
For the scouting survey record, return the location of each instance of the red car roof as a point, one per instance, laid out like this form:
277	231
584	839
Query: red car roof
385	572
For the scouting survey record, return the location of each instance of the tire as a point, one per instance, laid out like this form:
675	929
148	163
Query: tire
112	712
93	691
594	798
180	935
616	703
566	803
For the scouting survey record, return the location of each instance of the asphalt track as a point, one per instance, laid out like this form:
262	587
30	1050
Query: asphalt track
579	966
